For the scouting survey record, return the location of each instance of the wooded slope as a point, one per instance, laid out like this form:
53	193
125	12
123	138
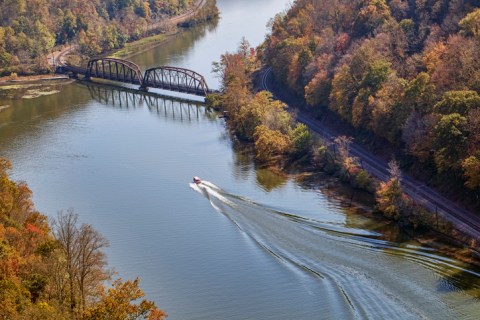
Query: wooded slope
406	71
29	29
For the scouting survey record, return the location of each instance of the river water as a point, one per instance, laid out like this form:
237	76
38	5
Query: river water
246	244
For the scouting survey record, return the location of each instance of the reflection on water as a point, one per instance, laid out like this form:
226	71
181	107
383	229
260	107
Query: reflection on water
178	46
121	157
167	107
270	180
362	275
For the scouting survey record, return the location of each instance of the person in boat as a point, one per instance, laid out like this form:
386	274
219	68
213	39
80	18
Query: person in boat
197	180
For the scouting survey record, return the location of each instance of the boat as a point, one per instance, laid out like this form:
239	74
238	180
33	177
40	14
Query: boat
197	180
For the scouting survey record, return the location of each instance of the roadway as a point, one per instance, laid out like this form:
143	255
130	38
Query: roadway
466	221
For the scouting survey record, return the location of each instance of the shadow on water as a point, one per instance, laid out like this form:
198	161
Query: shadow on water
465	280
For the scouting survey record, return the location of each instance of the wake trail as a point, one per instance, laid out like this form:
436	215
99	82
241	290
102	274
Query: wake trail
362	276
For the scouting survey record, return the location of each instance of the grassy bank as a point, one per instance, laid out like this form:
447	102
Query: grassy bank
207	12
142	45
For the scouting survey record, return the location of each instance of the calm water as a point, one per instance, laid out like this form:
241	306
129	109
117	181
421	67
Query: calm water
248	244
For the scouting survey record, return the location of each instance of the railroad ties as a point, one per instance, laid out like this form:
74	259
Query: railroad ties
164	77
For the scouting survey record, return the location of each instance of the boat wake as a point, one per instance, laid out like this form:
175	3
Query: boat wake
361	275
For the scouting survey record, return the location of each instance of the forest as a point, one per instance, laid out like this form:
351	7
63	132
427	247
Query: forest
406	73
263	124
29	30
58	270
257	118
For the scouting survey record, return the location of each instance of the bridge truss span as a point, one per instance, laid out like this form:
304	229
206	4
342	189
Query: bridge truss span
176	79
115	70
163	77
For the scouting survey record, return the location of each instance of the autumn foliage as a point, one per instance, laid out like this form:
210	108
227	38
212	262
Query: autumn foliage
257	117
119	303
405	71
56	271
30	29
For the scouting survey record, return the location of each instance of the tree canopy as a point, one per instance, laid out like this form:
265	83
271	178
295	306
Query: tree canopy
57	271
405	71
30	29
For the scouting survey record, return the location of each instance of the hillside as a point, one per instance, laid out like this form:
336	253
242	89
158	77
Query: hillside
30	29
406	72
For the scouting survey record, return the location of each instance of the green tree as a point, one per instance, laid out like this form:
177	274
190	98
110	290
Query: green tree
470	25
471	171
88	43
45	39
420	93
460	102
261	110
302	140
68	28
371	15
375	74
389	112
344	91
450	141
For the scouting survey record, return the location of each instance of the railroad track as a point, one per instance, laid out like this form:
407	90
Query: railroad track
464	220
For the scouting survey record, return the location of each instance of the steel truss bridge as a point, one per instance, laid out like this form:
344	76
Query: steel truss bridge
164	77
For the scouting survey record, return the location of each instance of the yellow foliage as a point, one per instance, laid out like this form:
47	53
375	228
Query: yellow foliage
471	167
471	23
270	143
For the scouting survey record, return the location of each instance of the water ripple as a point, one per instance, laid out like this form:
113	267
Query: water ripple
363	275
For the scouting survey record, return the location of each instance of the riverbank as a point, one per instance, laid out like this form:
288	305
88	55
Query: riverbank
142	45
202	11
281	138
205	10
450	238
316	178
7	81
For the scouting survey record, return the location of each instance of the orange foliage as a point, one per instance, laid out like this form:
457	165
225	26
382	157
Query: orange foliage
382	66
119	302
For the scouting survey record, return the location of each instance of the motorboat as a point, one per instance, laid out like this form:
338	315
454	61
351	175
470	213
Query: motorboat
197	180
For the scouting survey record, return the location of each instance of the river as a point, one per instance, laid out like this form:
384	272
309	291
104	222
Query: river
247	244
